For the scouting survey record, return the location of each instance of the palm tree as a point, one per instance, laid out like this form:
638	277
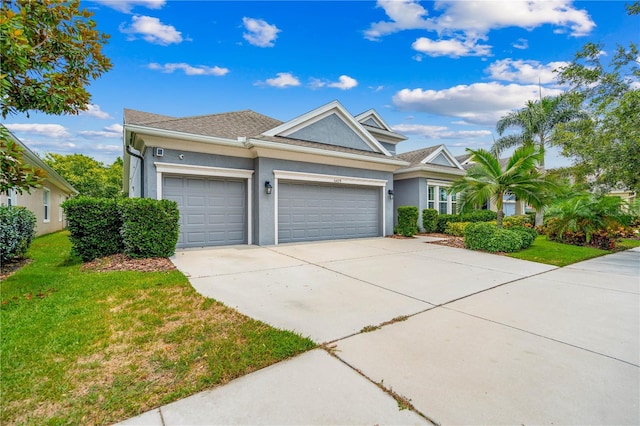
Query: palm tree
537	122
487	180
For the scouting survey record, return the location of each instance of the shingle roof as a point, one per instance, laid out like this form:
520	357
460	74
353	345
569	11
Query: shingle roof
415	157
327	147
228	125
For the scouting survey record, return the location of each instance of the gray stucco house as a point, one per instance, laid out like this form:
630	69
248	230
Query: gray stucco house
426	178
246	178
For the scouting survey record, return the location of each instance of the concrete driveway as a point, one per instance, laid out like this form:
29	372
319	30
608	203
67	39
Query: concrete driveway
488	339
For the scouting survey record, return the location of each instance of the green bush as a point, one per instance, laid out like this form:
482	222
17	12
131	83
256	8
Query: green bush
488	237
429	220
442	221
528	235
407	221
17	229
519	220
95	225
149	227
456	228
474	216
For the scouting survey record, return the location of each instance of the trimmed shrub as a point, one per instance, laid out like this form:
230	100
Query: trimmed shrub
407	221
17	229
528	235
149	227
474	216
488	237
95	225
443	220
456	228
519	220
429	220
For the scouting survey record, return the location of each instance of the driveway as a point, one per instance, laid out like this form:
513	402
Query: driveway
469	338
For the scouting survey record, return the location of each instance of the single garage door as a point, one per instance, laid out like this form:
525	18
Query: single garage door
311	212
213	211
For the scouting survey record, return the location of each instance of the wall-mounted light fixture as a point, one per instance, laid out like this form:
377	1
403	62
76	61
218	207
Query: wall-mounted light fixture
267	187
390	192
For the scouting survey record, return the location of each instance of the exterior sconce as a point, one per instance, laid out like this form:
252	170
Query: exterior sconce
390	192
267	187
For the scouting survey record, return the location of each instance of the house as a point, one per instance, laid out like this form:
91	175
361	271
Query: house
44	202
246	178
426	178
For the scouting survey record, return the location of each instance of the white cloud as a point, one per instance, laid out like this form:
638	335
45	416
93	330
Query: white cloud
110	132
55	131
189	69
376	88
126	6
344	83
438	132
521	43
451	47
404	14
521	71
95	111
283	79
152	30
260	33
478	103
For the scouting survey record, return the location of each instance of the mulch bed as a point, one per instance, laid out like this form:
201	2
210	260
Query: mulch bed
121	262
9	268
448	240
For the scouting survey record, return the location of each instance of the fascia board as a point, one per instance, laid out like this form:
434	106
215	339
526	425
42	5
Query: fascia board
442	149
373	113
427	168
143	130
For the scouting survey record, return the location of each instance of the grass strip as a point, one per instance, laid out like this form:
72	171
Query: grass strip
100	347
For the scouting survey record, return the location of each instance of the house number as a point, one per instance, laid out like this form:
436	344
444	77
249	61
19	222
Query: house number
337	180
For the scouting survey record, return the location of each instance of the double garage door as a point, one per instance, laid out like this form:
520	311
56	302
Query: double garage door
312	212
213	211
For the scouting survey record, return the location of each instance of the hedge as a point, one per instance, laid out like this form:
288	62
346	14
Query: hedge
488	237
407	221
149	227
474	216
516	220
17	229
94	224
429	220
456	228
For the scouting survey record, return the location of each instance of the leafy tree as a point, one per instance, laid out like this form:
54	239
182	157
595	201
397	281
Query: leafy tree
49	53
487	180
14	173
605	147
90	177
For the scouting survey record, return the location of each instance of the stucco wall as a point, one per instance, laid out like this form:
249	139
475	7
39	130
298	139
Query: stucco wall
333	131
35	203
406	193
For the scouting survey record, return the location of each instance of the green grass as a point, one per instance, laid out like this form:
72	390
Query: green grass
558	254
82	347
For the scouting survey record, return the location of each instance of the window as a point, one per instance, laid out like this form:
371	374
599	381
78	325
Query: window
60	201
12	197
46	200
445	203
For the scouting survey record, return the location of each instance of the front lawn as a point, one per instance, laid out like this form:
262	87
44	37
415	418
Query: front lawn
558	254
82	347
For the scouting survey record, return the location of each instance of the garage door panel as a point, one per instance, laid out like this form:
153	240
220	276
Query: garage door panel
213	211
310	211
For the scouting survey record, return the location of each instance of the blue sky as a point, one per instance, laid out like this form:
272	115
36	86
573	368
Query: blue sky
438	72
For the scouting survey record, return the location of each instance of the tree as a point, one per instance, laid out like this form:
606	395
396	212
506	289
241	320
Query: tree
49	52
90	177
14	173
606	147
487	180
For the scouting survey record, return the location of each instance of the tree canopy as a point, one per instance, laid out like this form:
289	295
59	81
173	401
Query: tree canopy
49	52
89	176
14	172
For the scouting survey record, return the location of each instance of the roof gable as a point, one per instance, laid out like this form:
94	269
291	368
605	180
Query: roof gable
437	155
372	118
330	124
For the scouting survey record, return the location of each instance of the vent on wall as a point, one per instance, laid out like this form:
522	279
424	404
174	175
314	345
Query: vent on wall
158	152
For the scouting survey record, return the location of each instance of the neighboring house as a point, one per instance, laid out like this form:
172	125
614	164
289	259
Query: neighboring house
44	202
426	179
246	178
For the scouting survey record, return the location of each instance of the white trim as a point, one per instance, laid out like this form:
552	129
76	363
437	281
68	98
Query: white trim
442	149
432	168
190	170
331	179
143	130
46	207
376	117
317	114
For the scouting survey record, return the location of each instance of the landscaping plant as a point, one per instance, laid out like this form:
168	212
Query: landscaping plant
407	221
17	229
429	220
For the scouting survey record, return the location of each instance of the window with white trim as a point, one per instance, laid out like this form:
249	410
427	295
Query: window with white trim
46	201
439	198
12	196
60	212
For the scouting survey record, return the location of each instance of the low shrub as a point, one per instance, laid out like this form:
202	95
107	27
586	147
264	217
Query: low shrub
488	237
17	229
429	220
442	221
94	224
407	221
456	228
527	234
519	220
150	227
473	216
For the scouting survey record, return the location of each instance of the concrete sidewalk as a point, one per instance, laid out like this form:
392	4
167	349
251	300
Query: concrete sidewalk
489	340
